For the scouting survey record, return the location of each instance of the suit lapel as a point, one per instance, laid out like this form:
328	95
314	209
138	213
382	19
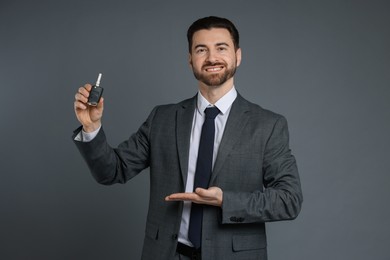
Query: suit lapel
238	118
185	115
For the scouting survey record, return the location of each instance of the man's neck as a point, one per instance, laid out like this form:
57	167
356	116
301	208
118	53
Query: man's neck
214	93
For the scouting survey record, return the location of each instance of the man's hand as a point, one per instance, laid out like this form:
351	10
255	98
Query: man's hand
88	116
212	196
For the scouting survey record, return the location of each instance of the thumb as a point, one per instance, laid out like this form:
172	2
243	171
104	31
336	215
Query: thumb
200	191
100	105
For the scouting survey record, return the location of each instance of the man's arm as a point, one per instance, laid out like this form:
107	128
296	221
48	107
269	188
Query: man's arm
281	198
106	164
116	165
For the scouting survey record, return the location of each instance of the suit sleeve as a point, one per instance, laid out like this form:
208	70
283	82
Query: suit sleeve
281	197
117	165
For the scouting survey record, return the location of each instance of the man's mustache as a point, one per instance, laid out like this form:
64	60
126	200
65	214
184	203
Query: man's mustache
207	64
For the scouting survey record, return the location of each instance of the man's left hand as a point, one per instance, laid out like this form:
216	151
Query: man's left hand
211	196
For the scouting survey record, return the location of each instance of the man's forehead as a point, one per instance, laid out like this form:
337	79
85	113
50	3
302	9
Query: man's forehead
212	36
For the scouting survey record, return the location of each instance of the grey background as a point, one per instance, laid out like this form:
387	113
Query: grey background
323	64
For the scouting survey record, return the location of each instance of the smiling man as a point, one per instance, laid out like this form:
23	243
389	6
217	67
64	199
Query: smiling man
220	166
214	58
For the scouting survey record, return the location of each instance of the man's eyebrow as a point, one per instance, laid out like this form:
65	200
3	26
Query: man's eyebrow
222	43
217	44
200	46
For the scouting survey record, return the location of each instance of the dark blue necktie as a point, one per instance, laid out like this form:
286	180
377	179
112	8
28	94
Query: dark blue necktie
203	171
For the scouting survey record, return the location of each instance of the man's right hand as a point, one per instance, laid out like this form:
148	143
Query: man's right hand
88	116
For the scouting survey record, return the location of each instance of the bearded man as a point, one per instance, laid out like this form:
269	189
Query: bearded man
220	166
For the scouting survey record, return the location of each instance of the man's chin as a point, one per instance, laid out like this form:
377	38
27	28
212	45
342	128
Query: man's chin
214	81
212	84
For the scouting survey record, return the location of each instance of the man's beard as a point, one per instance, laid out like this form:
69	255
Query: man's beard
216	79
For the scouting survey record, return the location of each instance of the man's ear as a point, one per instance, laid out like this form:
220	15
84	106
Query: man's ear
238	56
190	59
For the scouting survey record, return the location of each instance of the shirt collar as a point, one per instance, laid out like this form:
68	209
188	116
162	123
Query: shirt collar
223	104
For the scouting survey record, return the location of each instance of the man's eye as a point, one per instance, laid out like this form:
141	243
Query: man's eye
200	51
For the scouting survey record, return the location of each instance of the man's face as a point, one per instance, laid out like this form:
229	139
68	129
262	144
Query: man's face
213	57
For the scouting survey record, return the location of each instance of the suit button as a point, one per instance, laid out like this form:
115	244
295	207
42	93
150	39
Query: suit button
174	236
233	219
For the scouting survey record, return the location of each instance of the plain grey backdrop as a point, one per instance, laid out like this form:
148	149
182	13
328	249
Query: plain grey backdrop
325	65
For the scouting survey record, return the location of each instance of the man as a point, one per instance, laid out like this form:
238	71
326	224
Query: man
214	181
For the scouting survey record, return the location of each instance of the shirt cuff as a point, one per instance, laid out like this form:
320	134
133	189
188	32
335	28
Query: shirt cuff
86	137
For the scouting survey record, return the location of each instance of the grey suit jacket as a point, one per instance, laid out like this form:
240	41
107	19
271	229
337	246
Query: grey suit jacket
254	168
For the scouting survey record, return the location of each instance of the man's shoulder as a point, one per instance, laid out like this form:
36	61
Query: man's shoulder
257	110
169	111
174	106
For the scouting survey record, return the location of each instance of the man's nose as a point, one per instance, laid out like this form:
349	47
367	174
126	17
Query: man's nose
212	56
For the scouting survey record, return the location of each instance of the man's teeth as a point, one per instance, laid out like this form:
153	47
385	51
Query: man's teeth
214	69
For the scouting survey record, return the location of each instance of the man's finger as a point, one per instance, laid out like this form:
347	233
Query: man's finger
84	91
88	87
79	105
81	97
182	196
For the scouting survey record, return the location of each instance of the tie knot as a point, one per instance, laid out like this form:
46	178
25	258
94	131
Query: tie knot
211	112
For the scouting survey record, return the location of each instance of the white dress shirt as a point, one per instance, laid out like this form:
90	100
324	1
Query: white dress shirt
223	104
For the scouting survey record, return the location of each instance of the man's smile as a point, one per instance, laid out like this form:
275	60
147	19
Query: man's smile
214	68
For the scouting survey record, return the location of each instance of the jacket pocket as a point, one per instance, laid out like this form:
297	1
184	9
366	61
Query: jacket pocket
151	231
248	242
